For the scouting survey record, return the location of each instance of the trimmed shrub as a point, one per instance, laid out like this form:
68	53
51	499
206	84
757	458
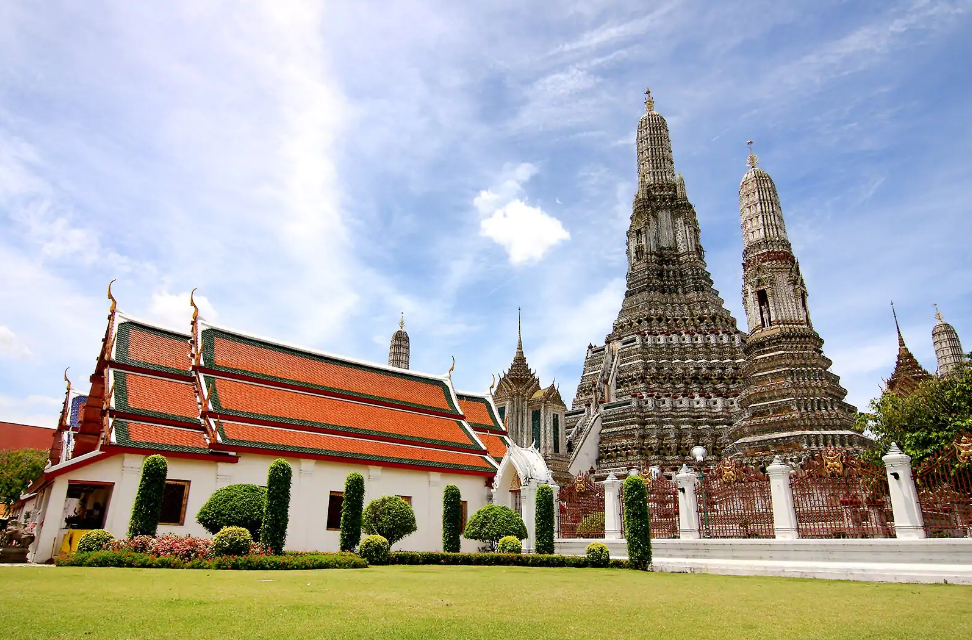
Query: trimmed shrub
500	559
148	501
351	508
262	563
598	554
375	549
637	525
509	544
545	519
493	522
238	505
231	541
389	517
276	514
451	519
592	526
95	540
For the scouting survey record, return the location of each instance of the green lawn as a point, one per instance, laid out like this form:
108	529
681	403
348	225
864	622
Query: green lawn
466	602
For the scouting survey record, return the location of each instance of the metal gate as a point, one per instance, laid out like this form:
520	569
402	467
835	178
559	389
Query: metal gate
581	509
944	483
734	502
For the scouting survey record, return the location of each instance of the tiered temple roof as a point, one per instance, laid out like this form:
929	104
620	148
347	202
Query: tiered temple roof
908	372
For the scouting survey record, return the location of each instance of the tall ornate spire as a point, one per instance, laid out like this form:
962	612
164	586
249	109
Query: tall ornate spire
655	164
908	372
519	331
399	349
760	212
948	349
901	343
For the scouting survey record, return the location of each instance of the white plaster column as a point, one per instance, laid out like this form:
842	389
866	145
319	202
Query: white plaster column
371	486
305	510
556	508
433	512
123	495
224	474
528	505
784	513
688	508
908	521
53	520
612	508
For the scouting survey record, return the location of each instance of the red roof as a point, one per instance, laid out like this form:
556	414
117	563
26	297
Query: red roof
23	436
479	413
496	445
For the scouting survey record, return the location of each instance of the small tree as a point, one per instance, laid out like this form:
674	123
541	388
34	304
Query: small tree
18	468
545	519
276	514
351	508
389	517
451	519
236	505
637	525
493	522
148	501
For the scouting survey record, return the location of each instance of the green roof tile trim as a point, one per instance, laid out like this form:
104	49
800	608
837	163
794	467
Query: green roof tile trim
224	439
121	378
496	426
123	439
209	340
212	384
123	341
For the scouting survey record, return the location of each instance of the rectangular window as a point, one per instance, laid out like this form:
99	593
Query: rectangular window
334	503
536	427
556	433
174	498
762	301
463	504
502	412
407	499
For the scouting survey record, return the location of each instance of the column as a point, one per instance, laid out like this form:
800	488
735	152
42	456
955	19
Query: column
688	508
371	484
53	521
433	513
556	506
528	504
224	474
305	510
784	514
612	508
908	521
123	495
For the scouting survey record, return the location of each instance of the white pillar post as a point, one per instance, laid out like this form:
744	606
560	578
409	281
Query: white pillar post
908	521
528	506
123	495
224	474
688	507
784	513
303	511
612	508
556	508
433	508
53	521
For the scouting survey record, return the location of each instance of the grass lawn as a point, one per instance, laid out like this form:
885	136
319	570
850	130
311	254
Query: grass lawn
428	602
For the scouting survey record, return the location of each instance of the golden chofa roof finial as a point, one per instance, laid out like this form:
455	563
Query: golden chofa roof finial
453	367
192	303
938	314
66	379
492	384
114	303
753	159
401	322
649	101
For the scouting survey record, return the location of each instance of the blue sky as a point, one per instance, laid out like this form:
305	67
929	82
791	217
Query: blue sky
315	169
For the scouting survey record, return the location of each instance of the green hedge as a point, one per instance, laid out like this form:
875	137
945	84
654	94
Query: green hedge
545	519
351	508
130	559
451	519
236	505
276	514
637	525
502	559
148	501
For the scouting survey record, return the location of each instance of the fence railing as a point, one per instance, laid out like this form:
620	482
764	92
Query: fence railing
944	484
581	509
662	504
734	502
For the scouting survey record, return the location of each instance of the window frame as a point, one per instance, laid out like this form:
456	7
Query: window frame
327	516
185	501
464	509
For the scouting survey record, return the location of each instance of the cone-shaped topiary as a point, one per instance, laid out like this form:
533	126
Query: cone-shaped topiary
493	522
389	517
451	519
276	515
95	540
374	549
545	519
148	501
351	509
237	505
637	526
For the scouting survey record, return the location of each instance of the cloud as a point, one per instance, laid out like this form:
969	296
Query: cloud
172	309
525	231
11	346
34	410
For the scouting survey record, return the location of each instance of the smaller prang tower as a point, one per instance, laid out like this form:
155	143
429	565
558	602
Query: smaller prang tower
398	350
791	403
908	372
948	349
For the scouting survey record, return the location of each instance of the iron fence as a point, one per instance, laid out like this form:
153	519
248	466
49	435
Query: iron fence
734	502
581	507
944	483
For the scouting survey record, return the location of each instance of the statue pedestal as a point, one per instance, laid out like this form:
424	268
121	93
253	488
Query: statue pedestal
13	555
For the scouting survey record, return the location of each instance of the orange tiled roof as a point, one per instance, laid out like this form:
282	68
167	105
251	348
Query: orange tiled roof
142	435
148	347
246	400
478	414
495	445
252	436
152	397
227	352
22	436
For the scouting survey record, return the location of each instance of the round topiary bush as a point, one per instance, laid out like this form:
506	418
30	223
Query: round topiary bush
509	544
493	522
592	526
238	505
598	554
374	549
231	541
389	517
95	540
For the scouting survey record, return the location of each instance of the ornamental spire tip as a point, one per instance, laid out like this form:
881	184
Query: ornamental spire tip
114	303
649	101
753	159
